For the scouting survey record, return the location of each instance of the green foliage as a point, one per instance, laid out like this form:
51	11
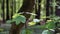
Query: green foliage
27	31
43	27
54	18
31	23
1	29
17	18
50	25
9	21
46	32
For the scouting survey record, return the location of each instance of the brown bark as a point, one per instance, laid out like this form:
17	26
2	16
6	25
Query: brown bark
27	7
15	29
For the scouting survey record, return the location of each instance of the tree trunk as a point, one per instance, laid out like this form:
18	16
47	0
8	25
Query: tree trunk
37	9
7	10
47	9
26	7
3	8
15	29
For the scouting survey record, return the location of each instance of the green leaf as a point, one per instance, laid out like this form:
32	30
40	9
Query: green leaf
23	19
23	31
46	32
9	21
28	31
15	15
42	26
50	25
19	18
31	23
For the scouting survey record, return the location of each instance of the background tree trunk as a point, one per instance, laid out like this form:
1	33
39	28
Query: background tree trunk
26	7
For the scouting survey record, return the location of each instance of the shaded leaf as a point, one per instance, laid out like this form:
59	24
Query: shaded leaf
50	25
9	21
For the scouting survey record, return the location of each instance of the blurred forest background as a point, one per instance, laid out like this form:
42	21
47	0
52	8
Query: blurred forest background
37	17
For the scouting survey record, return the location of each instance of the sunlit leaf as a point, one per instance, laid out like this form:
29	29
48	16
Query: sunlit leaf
19	18
31	23
15	15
